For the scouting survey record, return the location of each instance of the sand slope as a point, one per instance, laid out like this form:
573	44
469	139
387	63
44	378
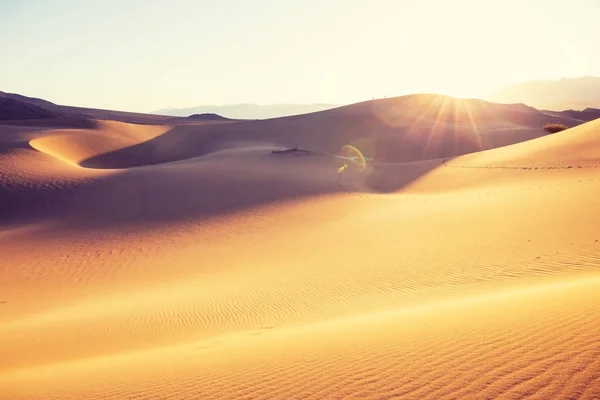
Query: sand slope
244	274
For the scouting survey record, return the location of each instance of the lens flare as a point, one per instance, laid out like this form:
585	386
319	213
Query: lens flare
354	155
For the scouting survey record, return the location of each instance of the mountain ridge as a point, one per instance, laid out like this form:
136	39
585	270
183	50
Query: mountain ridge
556	95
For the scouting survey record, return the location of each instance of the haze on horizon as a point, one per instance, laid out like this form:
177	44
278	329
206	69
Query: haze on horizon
147	55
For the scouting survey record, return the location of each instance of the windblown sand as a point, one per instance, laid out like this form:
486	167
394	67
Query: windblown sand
242	274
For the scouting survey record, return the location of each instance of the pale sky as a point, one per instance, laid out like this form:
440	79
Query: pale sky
143	55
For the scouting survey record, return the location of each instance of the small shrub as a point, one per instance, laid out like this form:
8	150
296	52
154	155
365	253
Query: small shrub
553	128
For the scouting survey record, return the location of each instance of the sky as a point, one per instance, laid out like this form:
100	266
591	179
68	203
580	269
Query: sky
144	55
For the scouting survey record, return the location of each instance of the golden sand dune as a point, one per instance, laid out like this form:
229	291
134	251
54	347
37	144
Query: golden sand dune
76	146
238	273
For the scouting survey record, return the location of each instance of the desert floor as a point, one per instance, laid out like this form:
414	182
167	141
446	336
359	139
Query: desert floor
243	274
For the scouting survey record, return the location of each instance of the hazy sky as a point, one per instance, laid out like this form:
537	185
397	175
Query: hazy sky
142	55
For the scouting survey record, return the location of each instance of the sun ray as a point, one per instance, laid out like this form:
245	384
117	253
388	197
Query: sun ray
474	126
426	107
434	130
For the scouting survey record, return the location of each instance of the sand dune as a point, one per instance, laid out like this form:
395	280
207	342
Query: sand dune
216	269
76	146
408	128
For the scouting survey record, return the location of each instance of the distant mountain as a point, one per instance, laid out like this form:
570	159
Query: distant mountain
563	94
248	111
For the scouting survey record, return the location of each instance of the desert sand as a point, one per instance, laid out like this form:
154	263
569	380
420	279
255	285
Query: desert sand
188	261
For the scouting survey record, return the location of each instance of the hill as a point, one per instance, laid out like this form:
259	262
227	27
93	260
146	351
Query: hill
208	117
13	109
19	107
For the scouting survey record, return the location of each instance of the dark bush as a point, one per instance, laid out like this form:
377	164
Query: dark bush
553	128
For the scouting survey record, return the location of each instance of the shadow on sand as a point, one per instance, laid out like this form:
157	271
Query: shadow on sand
193	191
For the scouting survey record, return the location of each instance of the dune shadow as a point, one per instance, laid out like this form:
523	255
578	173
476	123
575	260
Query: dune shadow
190	192
389	178
180	143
